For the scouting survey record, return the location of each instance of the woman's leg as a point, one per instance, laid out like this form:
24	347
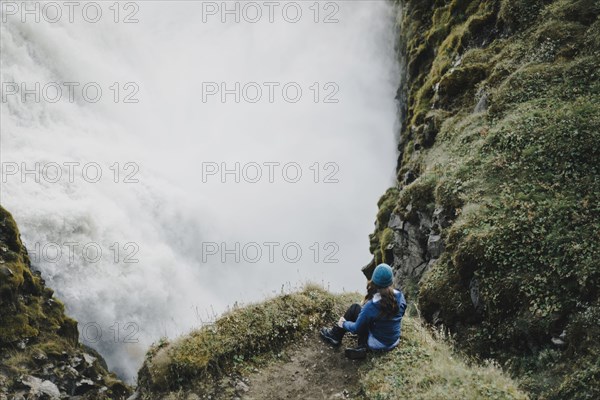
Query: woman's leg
350	315
360	351
352	312
336	334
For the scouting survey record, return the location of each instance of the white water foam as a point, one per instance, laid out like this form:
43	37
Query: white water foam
169	133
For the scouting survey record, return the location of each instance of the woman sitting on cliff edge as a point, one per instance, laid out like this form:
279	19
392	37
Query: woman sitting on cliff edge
377	322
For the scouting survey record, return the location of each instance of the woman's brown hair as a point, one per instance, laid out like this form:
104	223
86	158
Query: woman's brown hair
371	290
389	305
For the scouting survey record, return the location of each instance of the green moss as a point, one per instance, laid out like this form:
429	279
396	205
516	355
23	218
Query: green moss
434	54
564	81
581	11
459	84
385	205
418	196
519	179
387	240
26	306
17	327
519	14
448	195
442	290
30	316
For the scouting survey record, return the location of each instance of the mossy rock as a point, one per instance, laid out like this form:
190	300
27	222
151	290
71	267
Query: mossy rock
35	332
418	196
26	305
458	84
519	178
520	14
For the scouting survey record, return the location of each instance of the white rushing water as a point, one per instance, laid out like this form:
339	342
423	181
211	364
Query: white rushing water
316	97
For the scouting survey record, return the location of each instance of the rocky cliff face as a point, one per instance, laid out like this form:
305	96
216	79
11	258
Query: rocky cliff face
40	357
494	224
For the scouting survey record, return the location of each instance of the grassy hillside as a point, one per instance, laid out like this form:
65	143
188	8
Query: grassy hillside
243	334
254	336
425	367
502	138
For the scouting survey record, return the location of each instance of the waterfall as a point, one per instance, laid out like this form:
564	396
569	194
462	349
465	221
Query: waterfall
167	159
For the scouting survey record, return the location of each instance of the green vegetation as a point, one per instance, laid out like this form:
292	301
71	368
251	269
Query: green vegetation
424	368
418	196
380	239
27	308
241	334
518	175
36	337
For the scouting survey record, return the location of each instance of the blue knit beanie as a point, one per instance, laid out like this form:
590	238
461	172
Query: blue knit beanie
383	276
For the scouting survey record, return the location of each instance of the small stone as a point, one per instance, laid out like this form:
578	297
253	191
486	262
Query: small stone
71	370
76	361
89	359
425	223
134	396
409	177
435	245
46	369
482	104
6	271
395	222
563	335
84	386
241	387
39	387
440	218
40	357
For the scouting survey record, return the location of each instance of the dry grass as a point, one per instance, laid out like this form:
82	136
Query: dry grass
426	367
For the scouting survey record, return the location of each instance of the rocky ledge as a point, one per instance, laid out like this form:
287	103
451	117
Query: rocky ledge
40	356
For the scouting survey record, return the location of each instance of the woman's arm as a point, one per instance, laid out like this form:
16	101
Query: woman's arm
363	320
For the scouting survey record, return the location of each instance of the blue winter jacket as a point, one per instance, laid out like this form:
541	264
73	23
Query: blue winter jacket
384	332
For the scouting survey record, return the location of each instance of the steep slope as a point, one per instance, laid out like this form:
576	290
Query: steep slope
495	220
40	356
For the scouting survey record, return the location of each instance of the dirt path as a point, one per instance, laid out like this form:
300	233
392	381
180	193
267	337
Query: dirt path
308	369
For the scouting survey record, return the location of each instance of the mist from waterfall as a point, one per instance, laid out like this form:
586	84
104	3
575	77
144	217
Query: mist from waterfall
180	241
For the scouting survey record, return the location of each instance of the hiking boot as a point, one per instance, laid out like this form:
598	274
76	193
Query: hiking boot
330	337
358	353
